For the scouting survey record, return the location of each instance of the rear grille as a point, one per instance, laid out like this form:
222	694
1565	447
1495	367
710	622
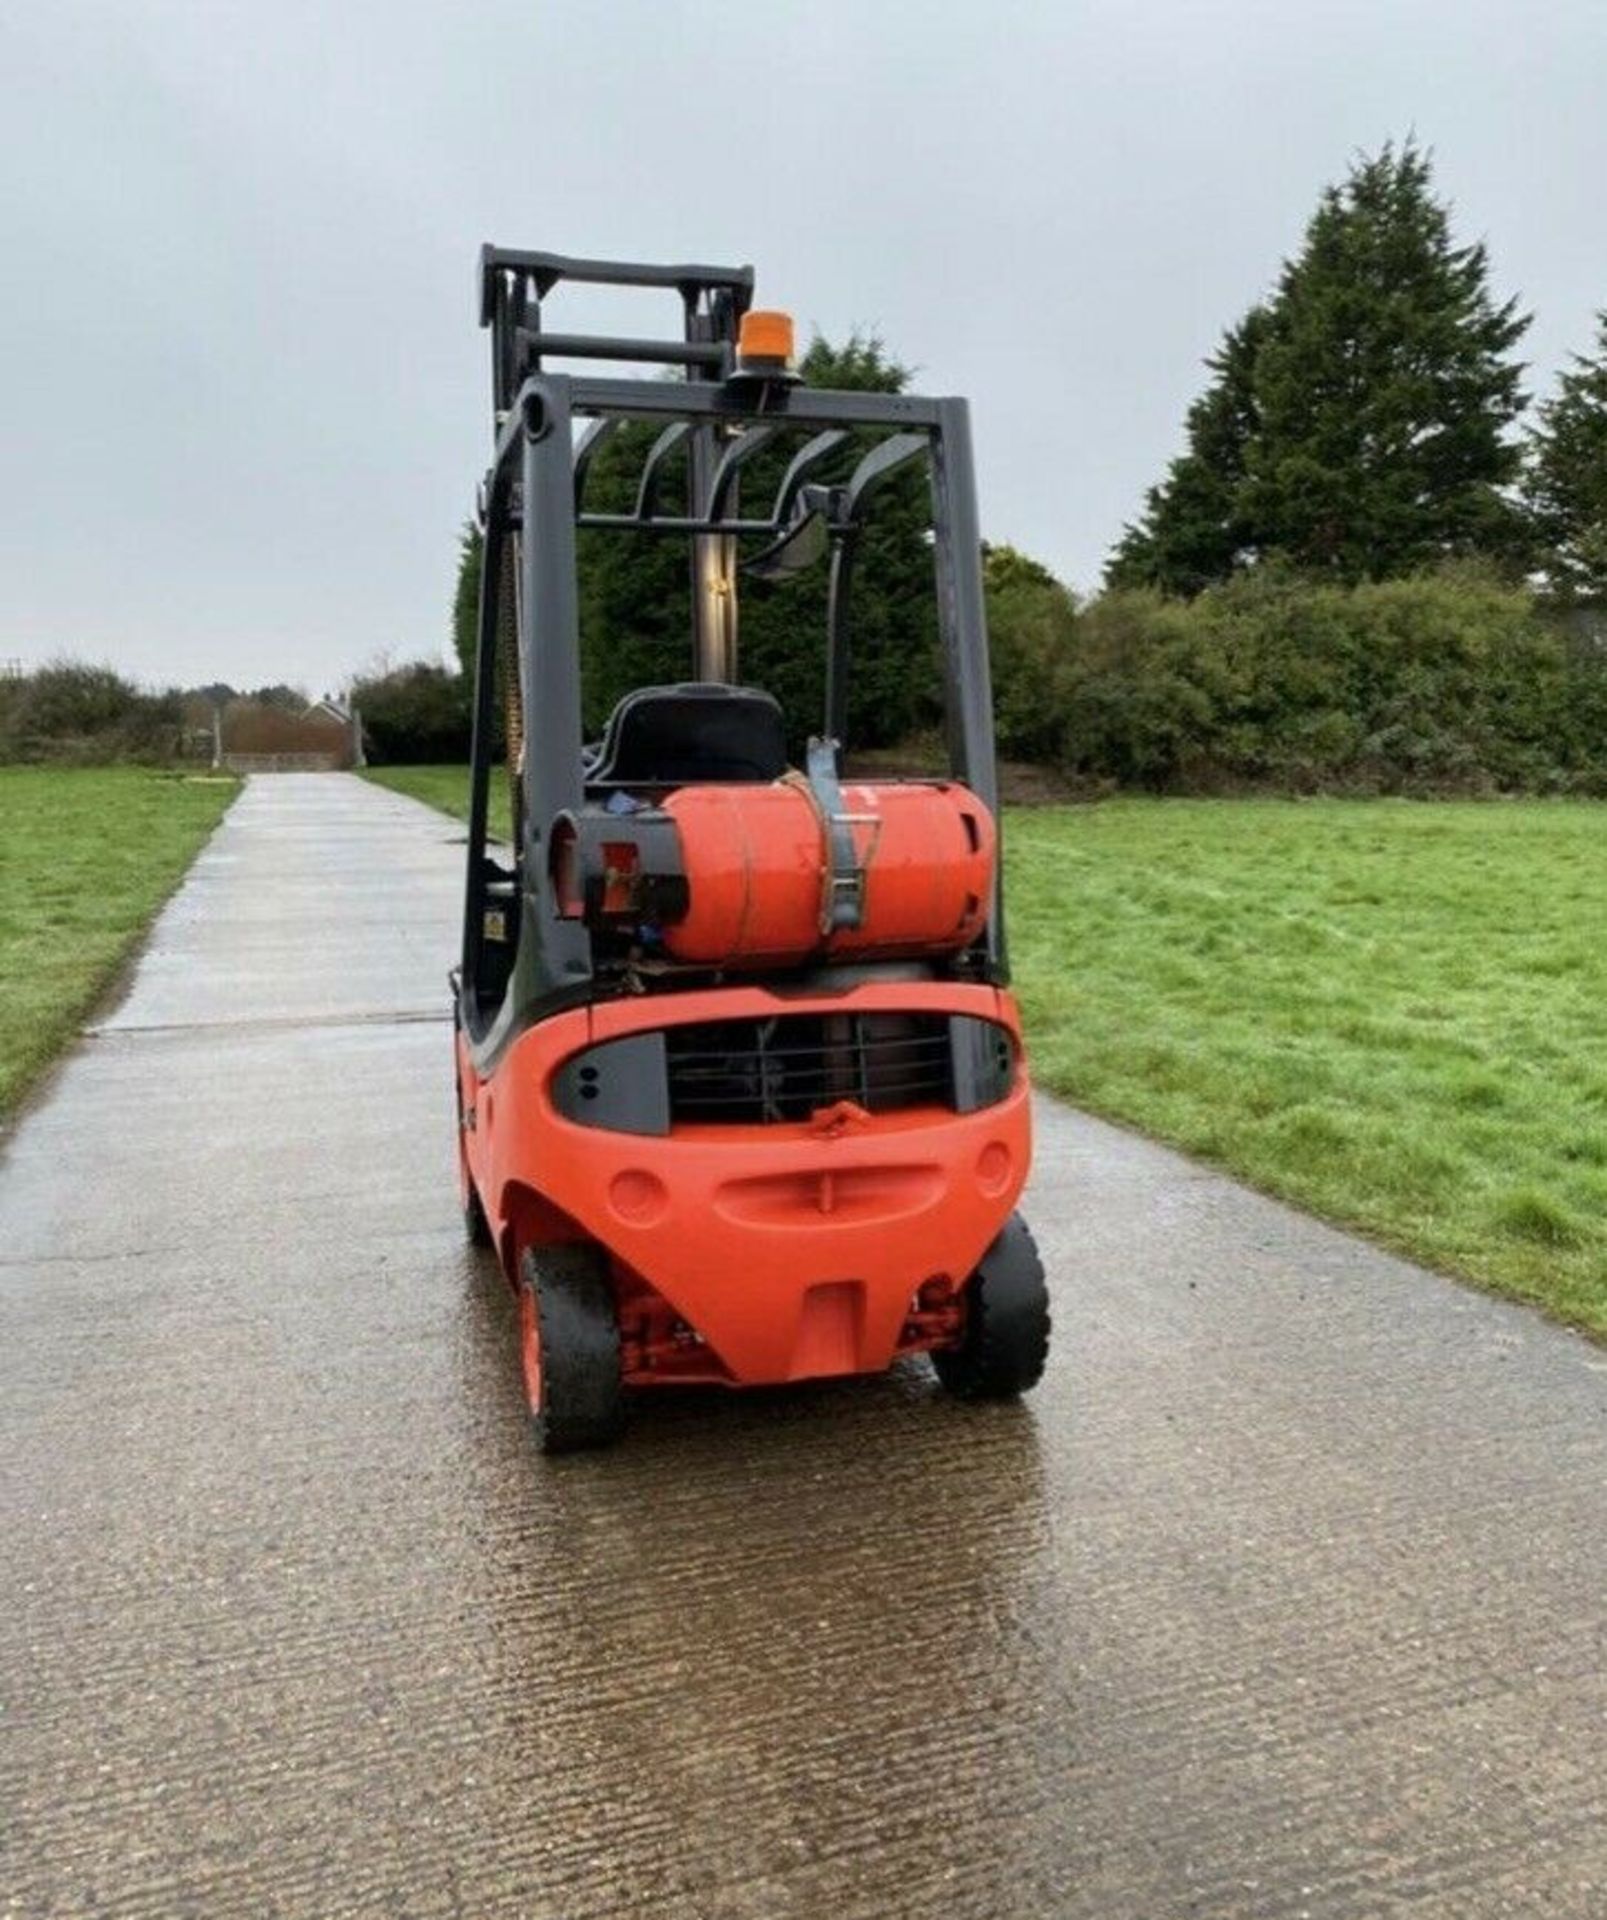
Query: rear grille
789	1066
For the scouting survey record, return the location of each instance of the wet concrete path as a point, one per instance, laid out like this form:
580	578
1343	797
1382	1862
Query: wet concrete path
1284	1596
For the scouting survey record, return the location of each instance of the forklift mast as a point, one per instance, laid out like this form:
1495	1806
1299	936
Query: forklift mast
513	285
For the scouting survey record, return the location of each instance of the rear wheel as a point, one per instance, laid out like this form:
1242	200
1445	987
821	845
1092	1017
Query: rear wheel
569	1348
1006	1339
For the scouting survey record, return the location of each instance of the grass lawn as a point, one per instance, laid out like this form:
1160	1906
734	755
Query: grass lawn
444	787
86	858
1393	1013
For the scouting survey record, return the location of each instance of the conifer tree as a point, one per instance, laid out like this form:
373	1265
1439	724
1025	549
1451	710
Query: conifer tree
1359	425
466	598
1192	532
1385	392
894	682
1565	484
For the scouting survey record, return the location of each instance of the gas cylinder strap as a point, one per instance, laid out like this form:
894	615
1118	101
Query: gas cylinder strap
842	906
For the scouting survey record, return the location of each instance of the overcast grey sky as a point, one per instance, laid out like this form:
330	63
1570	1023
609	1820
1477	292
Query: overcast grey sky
245	397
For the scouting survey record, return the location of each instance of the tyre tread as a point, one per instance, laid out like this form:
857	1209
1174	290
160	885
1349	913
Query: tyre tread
582	1392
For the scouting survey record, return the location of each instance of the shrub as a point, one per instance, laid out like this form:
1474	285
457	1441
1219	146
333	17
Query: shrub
1140	695
1032	628
413	713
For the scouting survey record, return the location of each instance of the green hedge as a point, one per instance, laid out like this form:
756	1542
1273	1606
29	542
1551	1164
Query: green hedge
1450	682
418	713
74	713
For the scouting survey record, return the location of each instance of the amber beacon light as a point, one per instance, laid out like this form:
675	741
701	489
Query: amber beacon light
764	339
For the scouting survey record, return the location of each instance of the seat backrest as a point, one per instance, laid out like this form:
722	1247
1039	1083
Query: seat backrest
701	730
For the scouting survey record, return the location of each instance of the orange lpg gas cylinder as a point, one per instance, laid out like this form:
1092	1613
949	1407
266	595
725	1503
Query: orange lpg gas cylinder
758	864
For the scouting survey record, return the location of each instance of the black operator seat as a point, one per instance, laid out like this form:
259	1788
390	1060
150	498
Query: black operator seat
697	731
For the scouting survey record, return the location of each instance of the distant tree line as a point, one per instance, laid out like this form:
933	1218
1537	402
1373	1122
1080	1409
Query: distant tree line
1363	570
73	712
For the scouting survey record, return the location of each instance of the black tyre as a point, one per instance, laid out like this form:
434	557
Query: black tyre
569	1348
1006	1339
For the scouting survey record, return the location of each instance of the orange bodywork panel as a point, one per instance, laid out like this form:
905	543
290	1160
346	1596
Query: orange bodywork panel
754	1253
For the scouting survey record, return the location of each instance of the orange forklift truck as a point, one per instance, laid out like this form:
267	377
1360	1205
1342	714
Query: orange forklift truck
740	1090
